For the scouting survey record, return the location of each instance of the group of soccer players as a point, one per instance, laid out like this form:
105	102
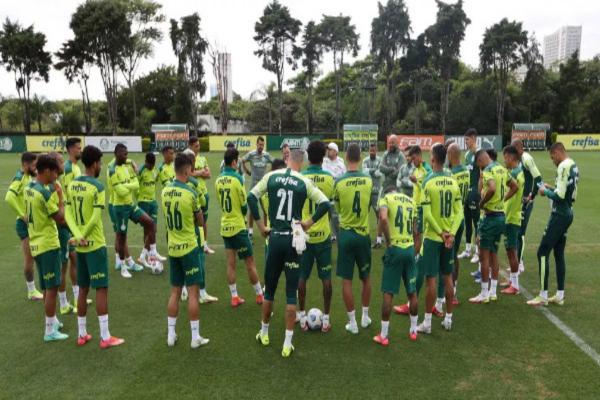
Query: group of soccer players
422	210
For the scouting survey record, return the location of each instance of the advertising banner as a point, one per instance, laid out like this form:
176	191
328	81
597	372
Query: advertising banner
176	135
107	143
47	143
425	142
532	135
580	141
483	141
295	142
12	144
363	135
242	143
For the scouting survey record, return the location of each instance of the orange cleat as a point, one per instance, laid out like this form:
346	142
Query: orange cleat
381	340
510	290
82	340
112	341
455	301
402	309
437	312
259	299
237	301
413	336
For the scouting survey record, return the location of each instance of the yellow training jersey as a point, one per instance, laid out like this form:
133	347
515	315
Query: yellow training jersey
15	196
71	172
500	176
166	173
201	163
40	207
232	200
352	196
180	208
324	181
200	190
420	174
463	179
123	184
147	178
442	205
401	215
513	206
86	194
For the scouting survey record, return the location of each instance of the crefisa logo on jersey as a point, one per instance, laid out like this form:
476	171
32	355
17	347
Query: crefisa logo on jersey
6	144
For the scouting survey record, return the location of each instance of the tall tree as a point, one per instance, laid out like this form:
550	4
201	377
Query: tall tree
143	16
501	53
103	29
534	83
268	93
569	88
22	51
339	36
444	38
390	38
312	52
219	61
189	47
276	32
415	66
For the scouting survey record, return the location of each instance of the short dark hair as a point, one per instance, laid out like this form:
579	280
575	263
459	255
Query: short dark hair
558	146
413	150
471	132
28	157
512	150
438	151
46	162
373	144
72	141
353	152
181	162
260	139
167	148
230	145
316	151
119	146
192	140
278	163
479	153
230	156
90	155
492	153
150	158
284	145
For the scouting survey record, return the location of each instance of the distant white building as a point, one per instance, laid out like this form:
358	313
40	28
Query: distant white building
560	45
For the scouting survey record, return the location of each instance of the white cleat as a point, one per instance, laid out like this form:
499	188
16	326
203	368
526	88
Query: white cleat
464	254
475	259
422	328
143	261
447	324
297	315
125	272
208	250
199	342
184	294
365	322
161	258
208	299
171	340
352	329
521	267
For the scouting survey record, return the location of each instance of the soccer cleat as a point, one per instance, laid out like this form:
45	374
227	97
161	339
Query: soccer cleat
287	351
143	261
555	300
464	254
207	299
160	258
208	250
479	299
377	245
447	324
475	259
412	336
326	327
402	309
67	309
55	336
171	340
262	339
260	299
237	301
304	323
125	273
82	340
365	322
455	301
493	297
184	294
34	295
381	340
352	329
199	342
475	273
436	312
422	328
538	301
112	341
135	267
510	290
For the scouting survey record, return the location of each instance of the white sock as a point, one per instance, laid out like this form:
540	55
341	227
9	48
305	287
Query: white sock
81	323
439	303
475	249
288	338
365	312
233	290
385	325
257	288
75	293
103	321
56	321
544	294
427	319
117	259
122	263
493	286
203	293
153	248
484	289
195	325
250	232
379	239
560	294
325	319
514	280
171	323
414	319
205	244
302	313
468	248
130	261
352	318
455	284
448	317
144	253
264	328
62	296
30	286
49	325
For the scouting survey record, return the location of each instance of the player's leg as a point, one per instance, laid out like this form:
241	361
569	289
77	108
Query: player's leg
323	259
409	274
559	259
207	249
511	243
64	305
307	260
230	258
456	269
97	267
438	307
83	282
246	252
273	270
476	215
363	260
192	278
177	280
526	211
468	224
431	265
449	291
379	240
32	292
552	234
486	236
292	275
390	285
149	227
345	269
49	267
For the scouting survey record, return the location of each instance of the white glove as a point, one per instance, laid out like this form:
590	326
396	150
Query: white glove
299	237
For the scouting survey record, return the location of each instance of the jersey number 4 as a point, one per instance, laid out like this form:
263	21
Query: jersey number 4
356	209
398	222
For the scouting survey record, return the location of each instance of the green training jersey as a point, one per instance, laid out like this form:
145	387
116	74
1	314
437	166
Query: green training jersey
420	174
40	208
121	181
180	208
71	172
513	206
352	196
402	212
473	171
109	187
497	173
531	172
287	192
86	194
462	176
229	187
442	205
147	178
166	173
15	195
324	181
565	194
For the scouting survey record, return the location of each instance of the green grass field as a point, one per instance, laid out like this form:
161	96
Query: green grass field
501	350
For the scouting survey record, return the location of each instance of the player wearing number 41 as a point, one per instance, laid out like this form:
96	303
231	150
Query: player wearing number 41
229	187
555	235
287	192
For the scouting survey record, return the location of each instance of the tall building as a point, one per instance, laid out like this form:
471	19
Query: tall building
225	75
560	45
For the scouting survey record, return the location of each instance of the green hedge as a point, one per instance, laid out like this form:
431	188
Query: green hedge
146	143
204	146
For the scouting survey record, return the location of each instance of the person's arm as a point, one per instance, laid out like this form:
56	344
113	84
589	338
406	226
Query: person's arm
561	185
243	199
384	226
12	198
70	220
253	199
321	201
384	168
458	212
491	189
55	206
365	167
428	218
529	163
513	187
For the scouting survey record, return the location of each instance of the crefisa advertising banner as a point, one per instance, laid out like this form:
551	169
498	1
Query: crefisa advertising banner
580	141
242	143
107	143
46	144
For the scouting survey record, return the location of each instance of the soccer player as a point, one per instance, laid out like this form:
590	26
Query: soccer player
285	153
202	173
83	214
403	182
258	159
533	178
513	211
182	214
495	179
229	188
352	197
555	235
472	206
399	259
318	248
147	177
287	192
370	166
42	213
124	185
15	199
166	170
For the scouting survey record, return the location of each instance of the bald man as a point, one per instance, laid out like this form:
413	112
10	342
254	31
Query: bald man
391	161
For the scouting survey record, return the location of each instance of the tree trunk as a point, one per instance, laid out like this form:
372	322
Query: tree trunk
270	114
309	108
336	72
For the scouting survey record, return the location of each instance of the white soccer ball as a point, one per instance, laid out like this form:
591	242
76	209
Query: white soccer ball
156	268
315	319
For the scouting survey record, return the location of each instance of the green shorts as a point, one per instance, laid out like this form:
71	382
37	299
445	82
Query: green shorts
48	265
436	258
150	208
21	228
111	214
458	237
319	253
186	270
353	249
64	235
511	236
122	215
399	265
239	242
92	269
491	228
281	257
